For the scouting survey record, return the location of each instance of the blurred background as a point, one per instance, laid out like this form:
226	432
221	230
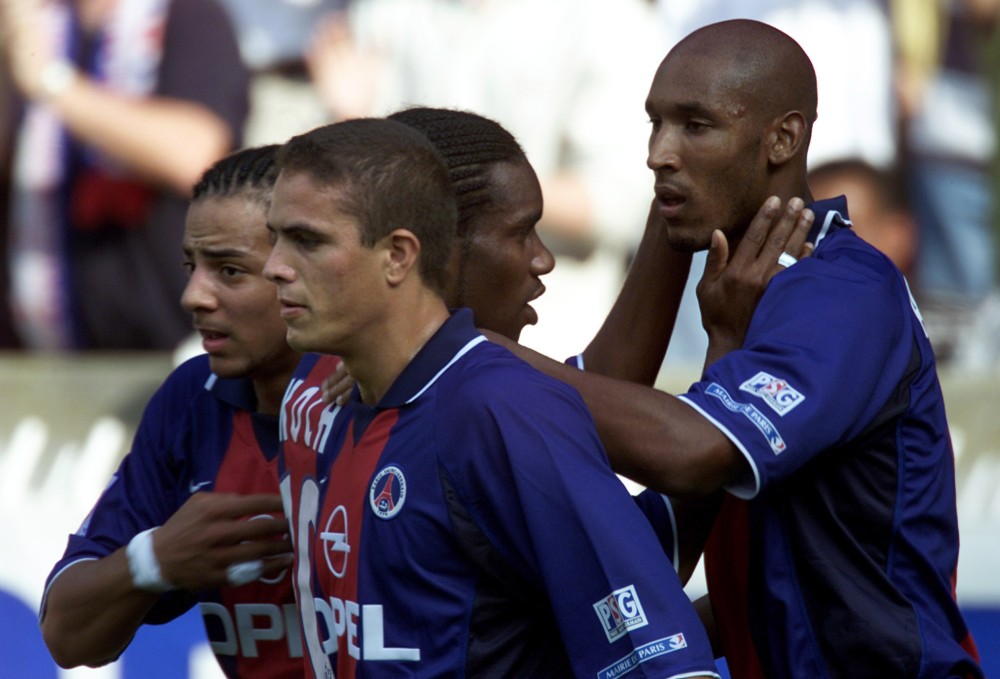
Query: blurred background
92	199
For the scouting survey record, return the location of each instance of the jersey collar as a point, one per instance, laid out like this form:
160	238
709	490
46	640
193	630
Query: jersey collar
236	392
831	216
452	340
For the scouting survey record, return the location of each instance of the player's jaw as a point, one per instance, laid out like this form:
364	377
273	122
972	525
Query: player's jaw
684	221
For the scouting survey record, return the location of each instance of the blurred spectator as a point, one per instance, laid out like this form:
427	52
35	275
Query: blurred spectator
567	77
850	45
125	103
273	36
878	212
950	145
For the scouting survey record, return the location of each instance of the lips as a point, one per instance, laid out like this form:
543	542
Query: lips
290	309
669	200
212	340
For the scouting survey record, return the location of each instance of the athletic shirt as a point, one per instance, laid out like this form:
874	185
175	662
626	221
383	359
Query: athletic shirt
470	525
200	433
836	555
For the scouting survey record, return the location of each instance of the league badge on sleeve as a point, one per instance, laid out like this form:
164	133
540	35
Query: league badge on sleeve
620	612
776	392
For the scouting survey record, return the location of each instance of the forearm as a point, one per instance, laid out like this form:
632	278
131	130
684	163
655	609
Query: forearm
633	339
92	611
167	141
650	436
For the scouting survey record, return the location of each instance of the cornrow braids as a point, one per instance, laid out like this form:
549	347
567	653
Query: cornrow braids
249	171
470	144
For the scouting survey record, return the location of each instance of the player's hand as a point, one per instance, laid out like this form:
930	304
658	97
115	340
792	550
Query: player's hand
731	287
337	387
213	531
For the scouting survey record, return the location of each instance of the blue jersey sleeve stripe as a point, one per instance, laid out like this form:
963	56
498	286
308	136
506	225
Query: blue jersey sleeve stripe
742	490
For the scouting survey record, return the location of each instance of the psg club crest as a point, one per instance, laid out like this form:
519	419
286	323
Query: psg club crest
387	492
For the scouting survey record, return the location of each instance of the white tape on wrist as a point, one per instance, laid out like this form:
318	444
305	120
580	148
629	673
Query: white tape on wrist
143	564
57	77
244	572
786	260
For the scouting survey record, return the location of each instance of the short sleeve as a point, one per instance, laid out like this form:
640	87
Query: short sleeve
544	491
827	345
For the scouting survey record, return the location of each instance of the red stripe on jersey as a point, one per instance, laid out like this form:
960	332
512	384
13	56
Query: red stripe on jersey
344	510
727	574
263	625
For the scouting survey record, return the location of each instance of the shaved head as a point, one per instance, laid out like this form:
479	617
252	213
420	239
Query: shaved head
731	109
761	66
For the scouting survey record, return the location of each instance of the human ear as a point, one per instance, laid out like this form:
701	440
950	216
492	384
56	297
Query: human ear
402	252
788	138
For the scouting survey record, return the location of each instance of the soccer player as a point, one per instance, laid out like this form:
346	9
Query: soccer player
171	529
444	520
837	544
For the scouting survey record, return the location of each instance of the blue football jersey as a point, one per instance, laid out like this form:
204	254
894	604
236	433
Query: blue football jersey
200	433
836	555
470	525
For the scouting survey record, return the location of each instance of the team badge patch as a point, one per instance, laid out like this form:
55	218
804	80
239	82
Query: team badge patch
758	419
387	492
620	612
776	392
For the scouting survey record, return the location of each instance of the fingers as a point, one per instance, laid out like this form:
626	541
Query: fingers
781	231
775	236
337	387
231	505
756	235
797	246
718	256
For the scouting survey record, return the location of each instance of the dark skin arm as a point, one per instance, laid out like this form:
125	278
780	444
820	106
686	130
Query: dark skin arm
633	339
653	437
93	610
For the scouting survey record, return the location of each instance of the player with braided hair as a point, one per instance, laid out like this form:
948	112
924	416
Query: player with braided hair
171	528
498	257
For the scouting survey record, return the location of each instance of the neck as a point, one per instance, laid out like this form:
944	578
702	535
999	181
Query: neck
270	389
378	362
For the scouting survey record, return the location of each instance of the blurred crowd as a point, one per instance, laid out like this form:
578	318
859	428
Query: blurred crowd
110	109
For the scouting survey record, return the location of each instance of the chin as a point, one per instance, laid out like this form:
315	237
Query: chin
230	369
687	242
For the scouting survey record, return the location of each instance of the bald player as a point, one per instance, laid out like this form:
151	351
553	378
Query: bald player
835	551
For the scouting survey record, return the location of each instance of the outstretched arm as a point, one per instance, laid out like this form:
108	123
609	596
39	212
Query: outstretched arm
633	339
653	437
93	608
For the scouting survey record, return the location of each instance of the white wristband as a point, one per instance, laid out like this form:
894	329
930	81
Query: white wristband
143	565
57	76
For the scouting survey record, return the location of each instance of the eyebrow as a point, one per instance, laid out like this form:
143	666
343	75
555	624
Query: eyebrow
219	253
687	108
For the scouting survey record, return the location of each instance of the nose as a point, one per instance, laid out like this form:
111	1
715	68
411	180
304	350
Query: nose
664	149
275	269
542	259
198	294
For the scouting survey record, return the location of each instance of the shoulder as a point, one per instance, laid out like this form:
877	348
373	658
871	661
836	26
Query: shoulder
190	378
493	379
846	275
